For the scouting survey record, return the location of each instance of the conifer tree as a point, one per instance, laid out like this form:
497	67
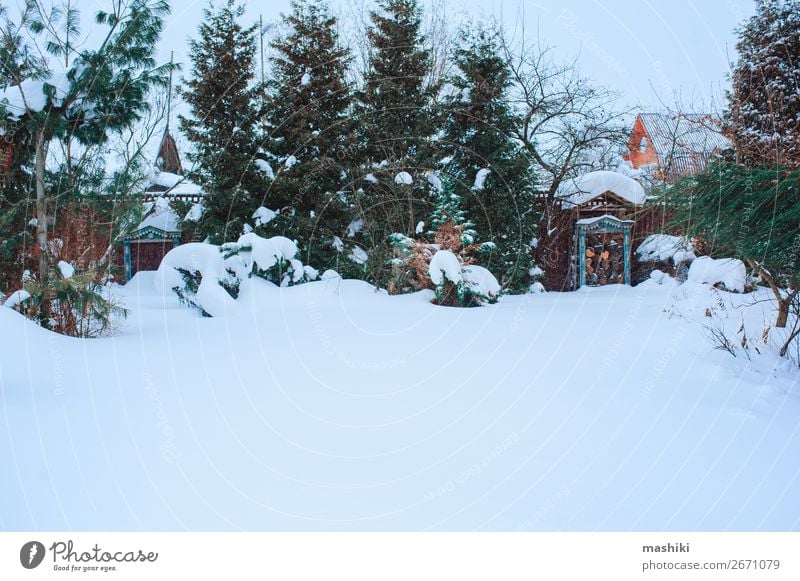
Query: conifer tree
309	126
223	125
396	121
764	112
61	101
490	171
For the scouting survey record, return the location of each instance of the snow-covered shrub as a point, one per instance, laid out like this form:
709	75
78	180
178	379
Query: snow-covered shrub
209	277
729	273
670	254
70	303
272	259
456	284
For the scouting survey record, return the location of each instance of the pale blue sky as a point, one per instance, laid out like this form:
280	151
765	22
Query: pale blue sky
645	50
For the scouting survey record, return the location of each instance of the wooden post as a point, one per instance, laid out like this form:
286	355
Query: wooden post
626	254
126	254
581	257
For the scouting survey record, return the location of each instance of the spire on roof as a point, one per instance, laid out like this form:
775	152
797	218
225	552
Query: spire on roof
168	159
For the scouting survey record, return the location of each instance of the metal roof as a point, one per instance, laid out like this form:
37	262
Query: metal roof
683	143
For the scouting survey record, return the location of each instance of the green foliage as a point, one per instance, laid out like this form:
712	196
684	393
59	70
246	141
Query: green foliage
223	125
752	214
77	95
448	209
309	102
478	126
76	306
396	125
764	106
461	294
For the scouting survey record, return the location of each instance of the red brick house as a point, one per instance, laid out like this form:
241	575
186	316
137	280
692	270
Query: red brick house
674	145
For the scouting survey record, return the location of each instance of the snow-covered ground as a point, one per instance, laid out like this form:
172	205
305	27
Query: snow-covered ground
329	406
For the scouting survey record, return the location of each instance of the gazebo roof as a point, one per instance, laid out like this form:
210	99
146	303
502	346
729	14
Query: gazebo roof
594	184
159	220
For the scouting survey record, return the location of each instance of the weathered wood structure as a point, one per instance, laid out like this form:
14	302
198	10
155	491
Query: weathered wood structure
157	234
601	214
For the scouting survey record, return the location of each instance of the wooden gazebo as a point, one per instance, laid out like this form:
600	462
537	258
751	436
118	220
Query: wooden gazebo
592	245
157	234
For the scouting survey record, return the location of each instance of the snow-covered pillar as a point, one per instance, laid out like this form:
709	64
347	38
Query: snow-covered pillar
126	255
626	254
581	257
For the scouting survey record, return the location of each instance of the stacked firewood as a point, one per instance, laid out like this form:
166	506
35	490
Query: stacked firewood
604	260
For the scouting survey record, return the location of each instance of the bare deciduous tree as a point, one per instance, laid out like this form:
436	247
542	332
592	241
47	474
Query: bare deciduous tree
567	125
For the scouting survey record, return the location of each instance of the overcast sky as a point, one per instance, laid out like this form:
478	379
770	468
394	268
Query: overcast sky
648	51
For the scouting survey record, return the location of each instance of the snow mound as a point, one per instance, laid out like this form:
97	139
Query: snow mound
355	227
192	257
434	180
358	255
481	280
265	167
445	266
214	299
727	271
158	214
266	252
591	185
66	269
330	275
195	213
16	298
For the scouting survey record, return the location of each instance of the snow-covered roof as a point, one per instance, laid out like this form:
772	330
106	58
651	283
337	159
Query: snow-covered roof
606	217
172	184
158	214
683	142
594	184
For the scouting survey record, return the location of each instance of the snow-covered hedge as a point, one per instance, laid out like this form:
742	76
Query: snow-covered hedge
209	277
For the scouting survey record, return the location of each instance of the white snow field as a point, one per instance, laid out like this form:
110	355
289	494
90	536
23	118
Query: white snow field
330	406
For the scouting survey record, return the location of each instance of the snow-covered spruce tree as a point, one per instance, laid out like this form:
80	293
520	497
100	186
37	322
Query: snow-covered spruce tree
454	277
59	109
764	111
396	121
492	174
223	125
309	127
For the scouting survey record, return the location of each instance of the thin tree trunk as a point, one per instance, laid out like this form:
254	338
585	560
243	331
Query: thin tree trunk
41	205
783	313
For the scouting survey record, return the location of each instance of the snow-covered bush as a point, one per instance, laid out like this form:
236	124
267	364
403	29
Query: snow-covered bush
671	254
729	273
209	277
456	284
70	303
272	259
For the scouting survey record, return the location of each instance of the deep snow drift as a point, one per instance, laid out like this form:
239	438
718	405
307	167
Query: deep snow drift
330	406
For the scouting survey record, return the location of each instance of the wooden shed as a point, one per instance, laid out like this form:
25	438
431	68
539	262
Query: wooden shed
594	231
